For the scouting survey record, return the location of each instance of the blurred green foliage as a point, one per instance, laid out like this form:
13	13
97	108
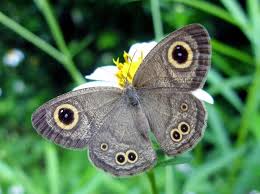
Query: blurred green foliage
64	40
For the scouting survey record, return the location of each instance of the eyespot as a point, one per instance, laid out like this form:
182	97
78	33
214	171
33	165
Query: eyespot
184	107
132	156
66	116
184	128
180	55
104	146
176	135
120	158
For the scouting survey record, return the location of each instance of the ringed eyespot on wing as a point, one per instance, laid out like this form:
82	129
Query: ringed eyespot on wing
120	158
104	147
180	55
132	156
66	116
176	135
184	128
184	107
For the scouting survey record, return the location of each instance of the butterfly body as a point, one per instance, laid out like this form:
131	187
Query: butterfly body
132	95
114	123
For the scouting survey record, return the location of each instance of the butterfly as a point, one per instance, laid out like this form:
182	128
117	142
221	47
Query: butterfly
114	124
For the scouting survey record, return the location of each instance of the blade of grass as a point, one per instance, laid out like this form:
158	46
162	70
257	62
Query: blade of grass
238	14
45	8
254	14
252	102
52	168
169	178
115	184
157	22
51	20
76	47
250	173
216	79
211	9
221	139
222	63
91	186
202	173
151	178
44	46
232	52
17	175
233	83
173	161
29	36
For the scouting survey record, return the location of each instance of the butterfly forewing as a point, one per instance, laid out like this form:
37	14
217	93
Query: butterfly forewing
180	61
70	120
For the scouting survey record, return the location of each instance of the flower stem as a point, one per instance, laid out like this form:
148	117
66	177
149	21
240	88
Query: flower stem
151	178
44	46
32	38
51	20
157	22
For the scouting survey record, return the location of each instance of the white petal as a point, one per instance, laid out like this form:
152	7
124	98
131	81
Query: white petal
96	84
137	49
203	95
105	73
13	57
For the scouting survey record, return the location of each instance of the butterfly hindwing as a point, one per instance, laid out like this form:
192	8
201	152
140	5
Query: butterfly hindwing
177	120
122	147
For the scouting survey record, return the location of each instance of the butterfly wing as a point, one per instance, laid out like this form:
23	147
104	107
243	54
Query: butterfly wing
122	146
102	120
177	120
164	81
180	61
70	120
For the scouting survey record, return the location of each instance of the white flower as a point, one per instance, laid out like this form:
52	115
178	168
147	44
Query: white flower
254	192
203	95
16	189
102	76
141	49
106	76
19	86
13	57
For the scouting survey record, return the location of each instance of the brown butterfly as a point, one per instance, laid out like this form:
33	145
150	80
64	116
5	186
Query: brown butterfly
114	123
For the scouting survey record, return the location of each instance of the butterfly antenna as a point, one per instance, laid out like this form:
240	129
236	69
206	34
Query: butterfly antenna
131	61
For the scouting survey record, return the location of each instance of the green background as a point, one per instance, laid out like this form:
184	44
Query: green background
64	40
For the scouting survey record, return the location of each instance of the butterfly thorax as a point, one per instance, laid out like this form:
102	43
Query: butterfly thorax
131	95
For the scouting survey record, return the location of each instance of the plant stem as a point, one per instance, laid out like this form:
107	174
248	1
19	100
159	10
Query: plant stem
32	38
169	180
51	20
157	22
151	178
44	46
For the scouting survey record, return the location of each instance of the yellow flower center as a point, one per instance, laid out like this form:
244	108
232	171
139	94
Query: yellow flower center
127	69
